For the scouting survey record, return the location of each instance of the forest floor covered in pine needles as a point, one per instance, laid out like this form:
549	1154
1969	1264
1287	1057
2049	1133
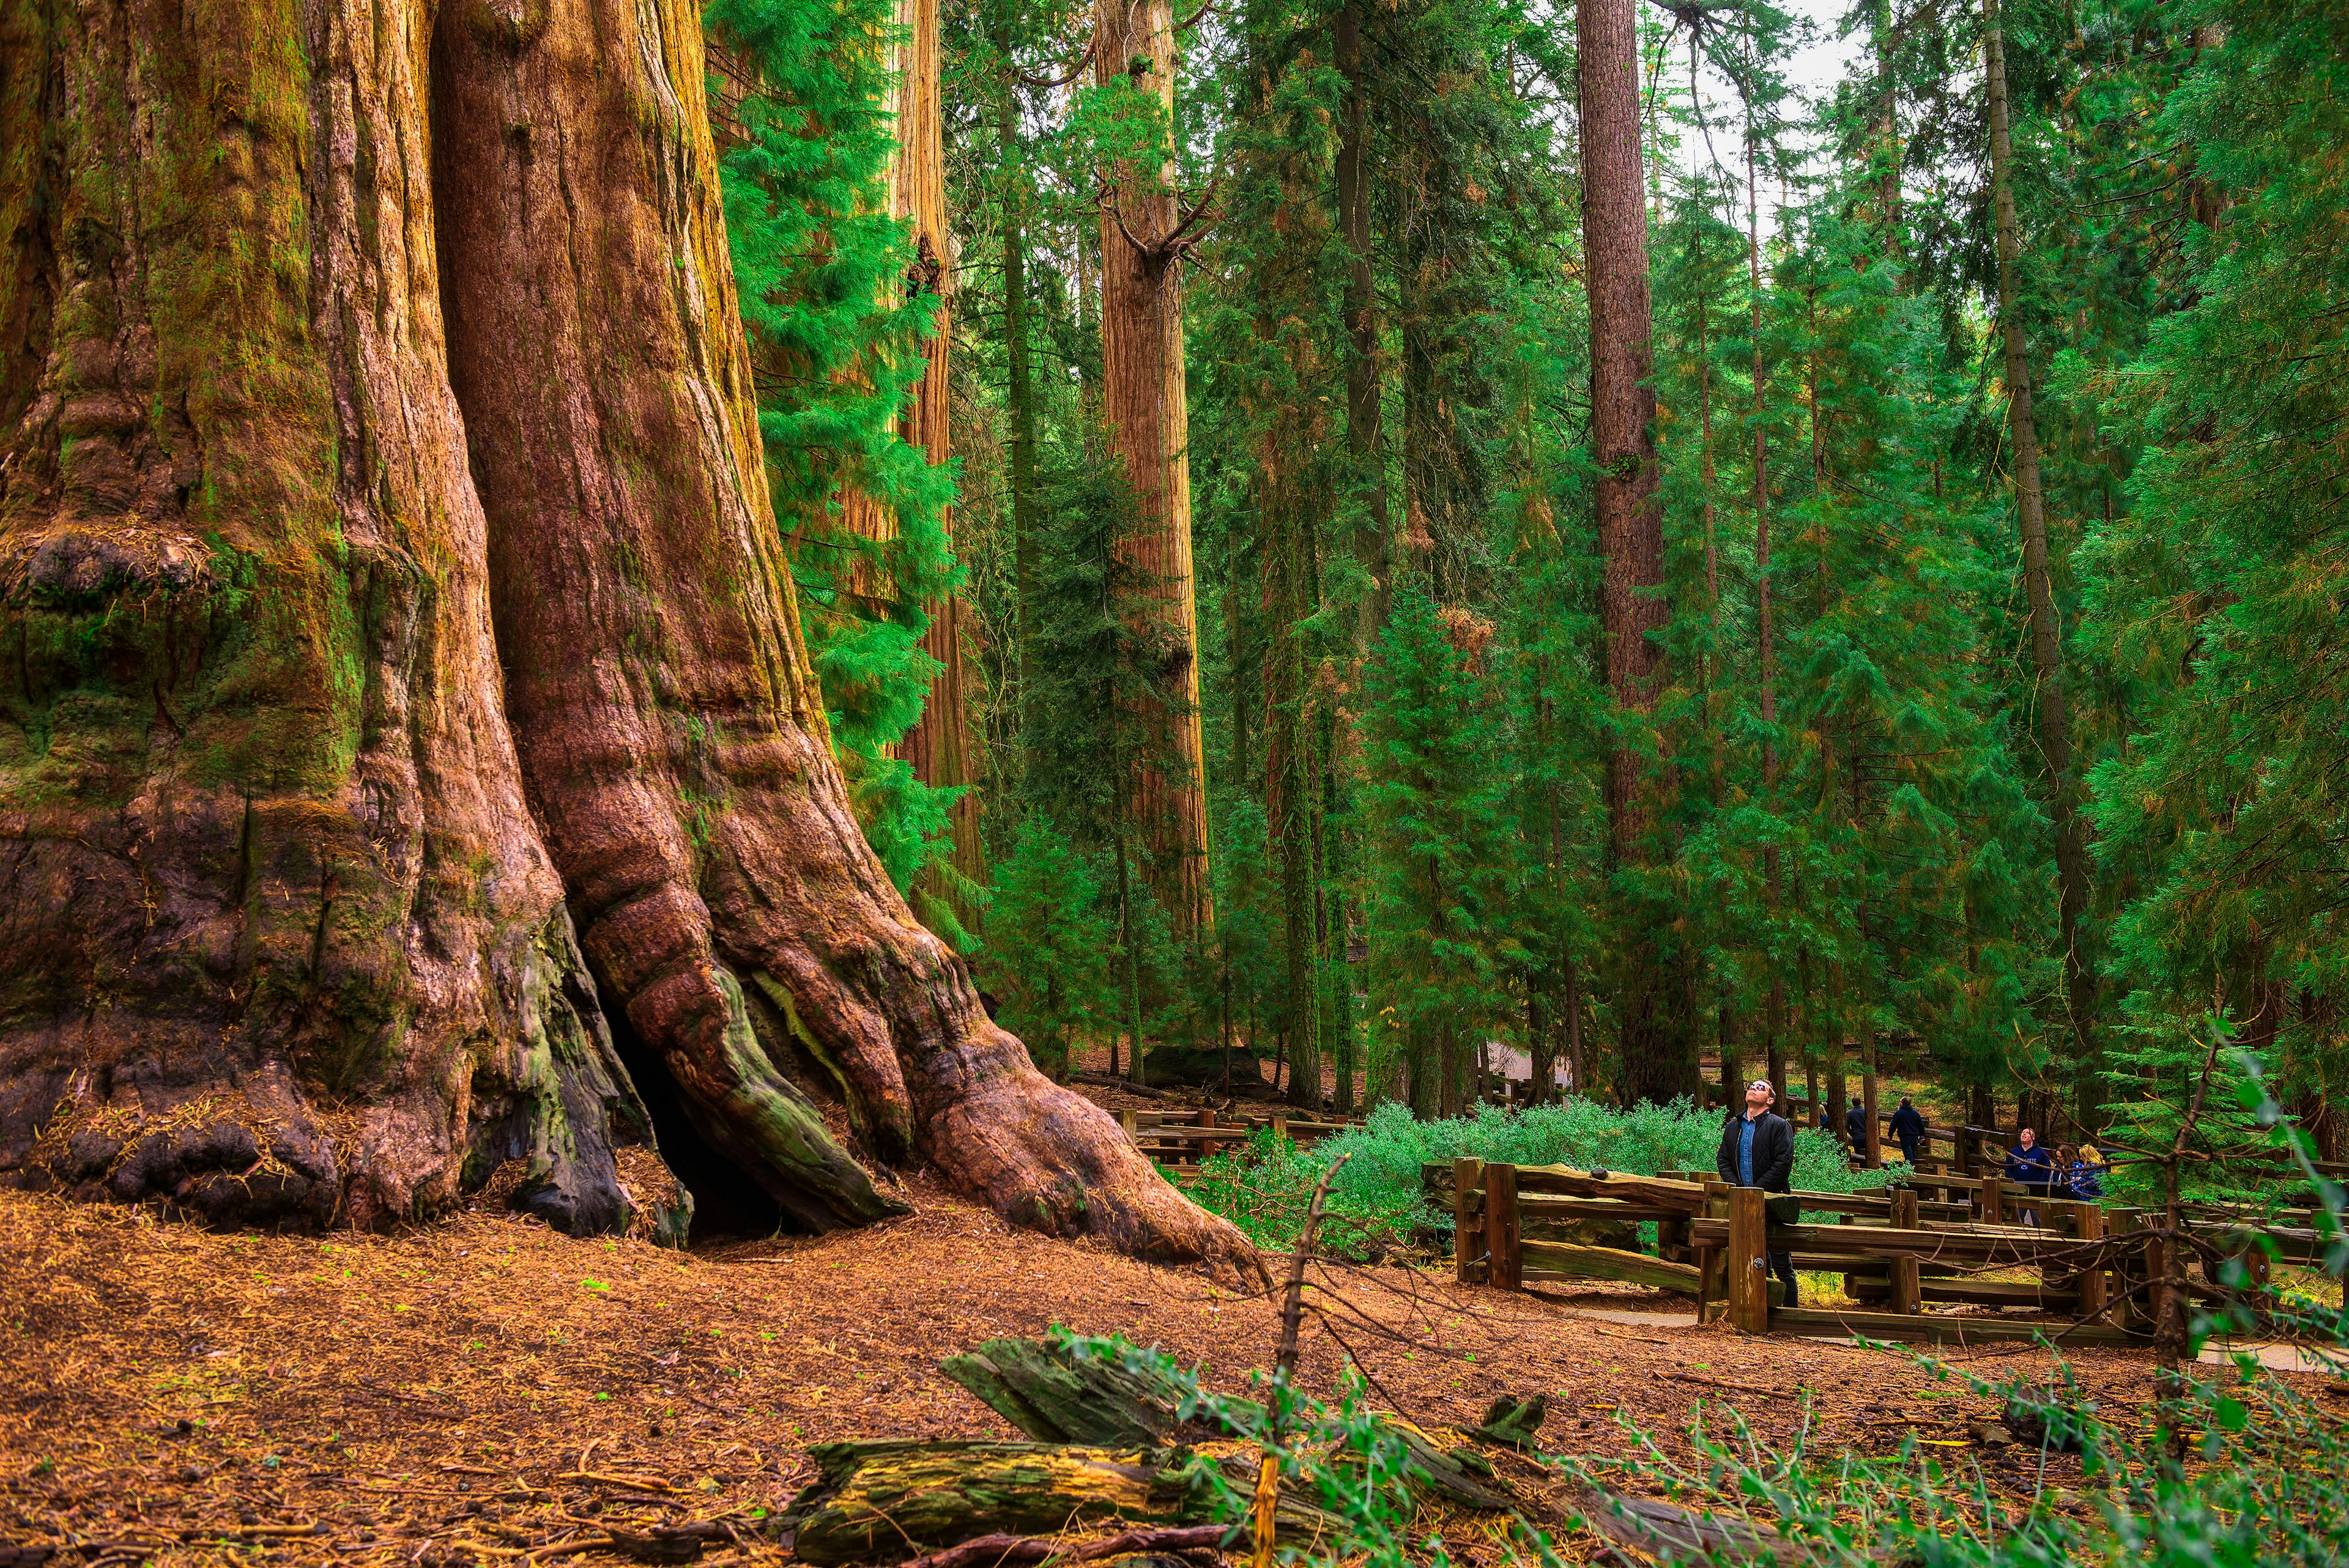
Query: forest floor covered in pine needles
485	1390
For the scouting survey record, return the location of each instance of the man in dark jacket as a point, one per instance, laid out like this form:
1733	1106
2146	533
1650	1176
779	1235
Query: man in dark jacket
1910	1129
1757	1150
1855	1124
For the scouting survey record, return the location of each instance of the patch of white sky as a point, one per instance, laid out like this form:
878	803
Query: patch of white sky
1822	57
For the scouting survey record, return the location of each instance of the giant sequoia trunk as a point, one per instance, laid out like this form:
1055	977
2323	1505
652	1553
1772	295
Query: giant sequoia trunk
389	586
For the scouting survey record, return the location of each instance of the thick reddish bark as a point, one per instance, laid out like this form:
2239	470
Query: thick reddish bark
280	941
285	939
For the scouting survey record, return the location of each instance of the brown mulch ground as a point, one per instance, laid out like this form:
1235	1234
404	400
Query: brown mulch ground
487	1390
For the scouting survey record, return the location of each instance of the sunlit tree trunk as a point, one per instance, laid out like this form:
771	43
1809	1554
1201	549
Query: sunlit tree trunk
1774	1015
1658	1050
1145	409
938	747
2046	635
1362	382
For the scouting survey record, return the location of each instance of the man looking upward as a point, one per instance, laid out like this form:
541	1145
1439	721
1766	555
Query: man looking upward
1757	1150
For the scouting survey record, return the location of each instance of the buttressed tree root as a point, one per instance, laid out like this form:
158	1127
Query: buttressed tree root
391	583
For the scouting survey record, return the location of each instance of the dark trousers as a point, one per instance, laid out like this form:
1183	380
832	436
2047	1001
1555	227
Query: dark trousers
1782	1266
1908	1151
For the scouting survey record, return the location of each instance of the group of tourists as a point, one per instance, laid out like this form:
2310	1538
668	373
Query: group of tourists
1757	1150
2066	1172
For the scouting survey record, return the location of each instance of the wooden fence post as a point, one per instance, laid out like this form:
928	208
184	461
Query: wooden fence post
1280	1124
1749	1276
1713	1270
1907	1293
1125	1121
1992	1208
2157	1265
1467	1228
1505	1272
2128	1268
2088	1225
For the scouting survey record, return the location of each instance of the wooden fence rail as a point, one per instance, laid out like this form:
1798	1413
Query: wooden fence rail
1514	1227
1187	1136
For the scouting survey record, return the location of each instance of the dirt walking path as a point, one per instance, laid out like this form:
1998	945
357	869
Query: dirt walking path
484	1388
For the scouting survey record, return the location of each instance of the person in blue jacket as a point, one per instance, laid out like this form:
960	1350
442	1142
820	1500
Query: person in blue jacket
2031	1163
1910	1129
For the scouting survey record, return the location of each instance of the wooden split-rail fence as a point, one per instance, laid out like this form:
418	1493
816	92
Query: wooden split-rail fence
1187	1137
1899	1248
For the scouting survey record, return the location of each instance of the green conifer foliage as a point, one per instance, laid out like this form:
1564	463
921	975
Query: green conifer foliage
1437	846
1056	933
2219	590
801	101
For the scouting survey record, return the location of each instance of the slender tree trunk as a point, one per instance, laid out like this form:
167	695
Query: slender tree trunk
938	747
554	549
1371	538
1130	962
2046	635
1774	1017
1144	407
1290	779
1658	1050
1887	133
1574	1031
1019	391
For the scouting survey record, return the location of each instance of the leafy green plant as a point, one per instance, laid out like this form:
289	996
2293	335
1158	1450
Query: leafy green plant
1379	1202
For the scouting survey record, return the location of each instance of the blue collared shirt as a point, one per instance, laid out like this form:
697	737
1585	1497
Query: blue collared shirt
1746	1150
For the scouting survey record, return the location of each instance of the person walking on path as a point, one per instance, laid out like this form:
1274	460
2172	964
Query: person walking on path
2030	1163
1910	1129
1854	1125
1757	1150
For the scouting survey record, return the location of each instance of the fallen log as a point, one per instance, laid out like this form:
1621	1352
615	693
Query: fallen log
893	1500
990	1551
1055	1397
1665	1532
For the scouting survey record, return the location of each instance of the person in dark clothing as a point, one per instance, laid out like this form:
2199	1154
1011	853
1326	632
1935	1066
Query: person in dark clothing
1855	1124
1910	1129
1757	1150
2031	1163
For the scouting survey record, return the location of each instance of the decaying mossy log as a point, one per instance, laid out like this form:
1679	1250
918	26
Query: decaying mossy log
1055	1396
891	1500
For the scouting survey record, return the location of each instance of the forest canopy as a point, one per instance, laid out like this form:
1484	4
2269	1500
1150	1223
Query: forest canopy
1959	663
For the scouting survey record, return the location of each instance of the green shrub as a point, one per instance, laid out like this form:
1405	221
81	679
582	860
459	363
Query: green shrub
1377	1204
2271	1485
